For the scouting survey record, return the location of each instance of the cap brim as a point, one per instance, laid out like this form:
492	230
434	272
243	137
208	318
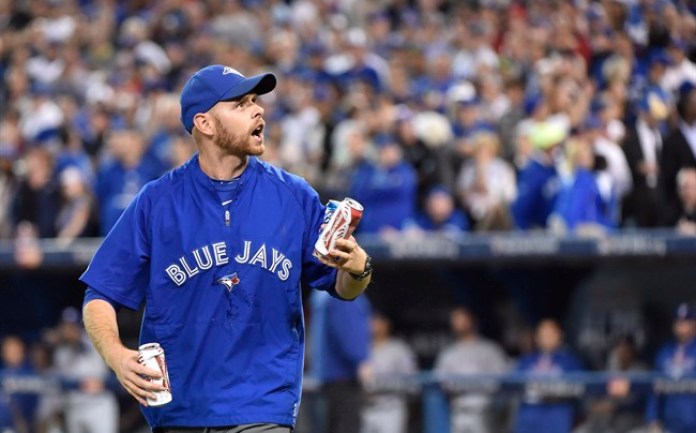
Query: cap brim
258	84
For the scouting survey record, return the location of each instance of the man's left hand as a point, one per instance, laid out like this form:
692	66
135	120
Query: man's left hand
347	255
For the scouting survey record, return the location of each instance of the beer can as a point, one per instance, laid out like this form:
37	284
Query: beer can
151	355
341	224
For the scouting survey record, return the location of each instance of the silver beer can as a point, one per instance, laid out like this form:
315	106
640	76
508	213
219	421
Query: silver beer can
151	355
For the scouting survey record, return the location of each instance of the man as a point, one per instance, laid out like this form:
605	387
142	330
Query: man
679	151
121	176
91	408
551	359
643	149
387	187
219	249
675	413
440	213
340	333
686	182
537	183
17	409
470	355
386	408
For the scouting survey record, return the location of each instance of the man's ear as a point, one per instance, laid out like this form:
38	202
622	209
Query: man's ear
203	122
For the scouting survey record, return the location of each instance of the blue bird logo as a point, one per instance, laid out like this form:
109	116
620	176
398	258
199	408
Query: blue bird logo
229	281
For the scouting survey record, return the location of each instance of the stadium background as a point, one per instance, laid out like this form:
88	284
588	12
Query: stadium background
89	108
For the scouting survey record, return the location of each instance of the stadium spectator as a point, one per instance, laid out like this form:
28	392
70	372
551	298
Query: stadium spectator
681	68
470	355
167	129
466	119
16	410
440	215
515	113
387	188
70	152
551	359
586	201
605	142
340	333
37	198
76	217
7	181
49	413
686	182
643	149
679	150
674	412
91	408
486	185
431	163
386	399
182	149
622	409
120	178
537	183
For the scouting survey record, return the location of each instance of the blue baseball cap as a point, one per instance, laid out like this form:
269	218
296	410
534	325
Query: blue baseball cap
216	83
685	312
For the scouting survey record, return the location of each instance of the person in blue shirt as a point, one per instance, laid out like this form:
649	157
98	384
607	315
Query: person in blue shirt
219	251
340	333
676	413
386	188
537	183
581	203
440	213
551	359
120	178
17	409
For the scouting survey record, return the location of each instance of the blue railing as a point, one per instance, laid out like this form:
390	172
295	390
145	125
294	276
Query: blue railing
434	389
469	248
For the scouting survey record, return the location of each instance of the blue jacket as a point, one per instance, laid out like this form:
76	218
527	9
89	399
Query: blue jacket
537	188
222	290
388	195
340	333
537	417
581	202
117	186
676	412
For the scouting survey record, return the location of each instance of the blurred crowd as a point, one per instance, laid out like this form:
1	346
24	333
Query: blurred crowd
80	400
366	374
437	115
362	377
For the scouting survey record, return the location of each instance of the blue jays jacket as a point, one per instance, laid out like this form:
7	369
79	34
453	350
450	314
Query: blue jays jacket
547	417
221	288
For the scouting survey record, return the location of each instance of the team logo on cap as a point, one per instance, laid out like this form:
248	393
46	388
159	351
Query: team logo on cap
230	70
229	281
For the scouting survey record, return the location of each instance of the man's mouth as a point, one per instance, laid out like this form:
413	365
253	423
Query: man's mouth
258	132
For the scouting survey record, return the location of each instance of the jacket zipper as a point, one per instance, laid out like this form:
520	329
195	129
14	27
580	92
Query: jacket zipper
227	217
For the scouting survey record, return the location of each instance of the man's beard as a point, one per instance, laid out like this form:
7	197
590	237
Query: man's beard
234	144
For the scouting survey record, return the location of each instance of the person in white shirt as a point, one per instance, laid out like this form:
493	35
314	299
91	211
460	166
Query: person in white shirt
471	355
681	70
385	381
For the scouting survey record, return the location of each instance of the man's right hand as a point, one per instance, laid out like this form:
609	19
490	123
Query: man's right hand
133	375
